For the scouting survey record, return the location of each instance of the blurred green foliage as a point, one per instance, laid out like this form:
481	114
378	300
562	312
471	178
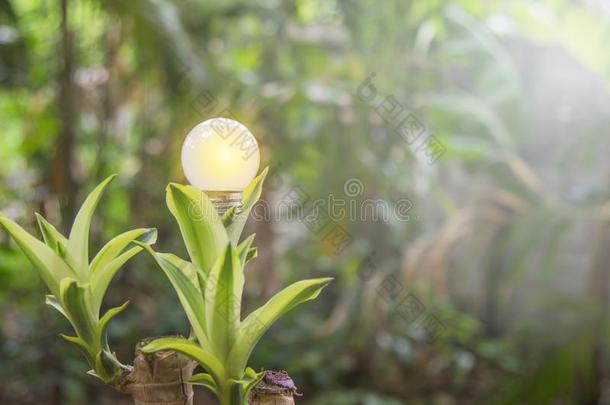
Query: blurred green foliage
507	241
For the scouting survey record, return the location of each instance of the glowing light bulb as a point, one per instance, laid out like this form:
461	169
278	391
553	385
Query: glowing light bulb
220	154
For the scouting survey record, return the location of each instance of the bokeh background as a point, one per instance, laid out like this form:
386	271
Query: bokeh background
494	288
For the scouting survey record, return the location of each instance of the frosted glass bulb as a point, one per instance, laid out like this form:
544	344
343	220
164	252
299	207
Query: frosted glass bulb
220	154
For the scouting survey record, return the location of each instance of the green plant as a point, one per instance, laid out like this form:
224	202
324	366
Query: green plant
210	289
78	286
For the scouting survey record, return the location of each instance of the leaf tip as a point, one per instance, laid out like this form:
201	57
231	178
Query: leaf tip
149	236
141	244
147	348
171	187
107	181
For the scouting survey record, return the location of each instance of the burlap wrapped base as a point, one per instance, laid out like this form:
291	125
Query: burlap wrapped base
276	388
159	378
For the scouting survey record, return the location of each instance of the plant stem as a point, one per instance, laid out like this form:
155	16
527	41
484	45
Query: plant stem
159	378
233	395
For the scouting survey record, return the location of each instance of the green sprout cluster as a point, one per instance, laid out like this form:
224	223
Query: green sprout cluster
209	287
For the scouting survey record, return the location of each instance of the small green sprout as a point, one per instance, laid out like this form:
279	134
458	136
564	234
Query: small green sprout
77	285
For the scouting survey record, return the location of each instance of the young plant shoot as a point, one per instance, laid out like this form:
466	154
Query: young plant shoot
78	285
210	288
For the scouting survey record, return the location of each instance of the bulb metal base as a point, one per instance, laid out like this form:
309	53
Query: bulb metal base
225	200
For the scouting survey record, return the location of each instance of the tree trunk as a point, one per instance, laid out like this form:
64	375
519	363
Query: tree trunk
493	283
162	378
61	179
159	378
276	388
601	295
270	398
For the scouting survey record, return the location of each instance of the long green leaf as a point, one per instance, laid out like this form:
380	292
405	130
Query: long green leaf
201	227
56	241
100	280
74	300
244	250
223	292
249	381
189	295
78	242
206	359
192	272
52	237
103	323
229	216
104	267
51	267
107	367
252	254
205	380
87	350
259	321
118	245
251	194
52	301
